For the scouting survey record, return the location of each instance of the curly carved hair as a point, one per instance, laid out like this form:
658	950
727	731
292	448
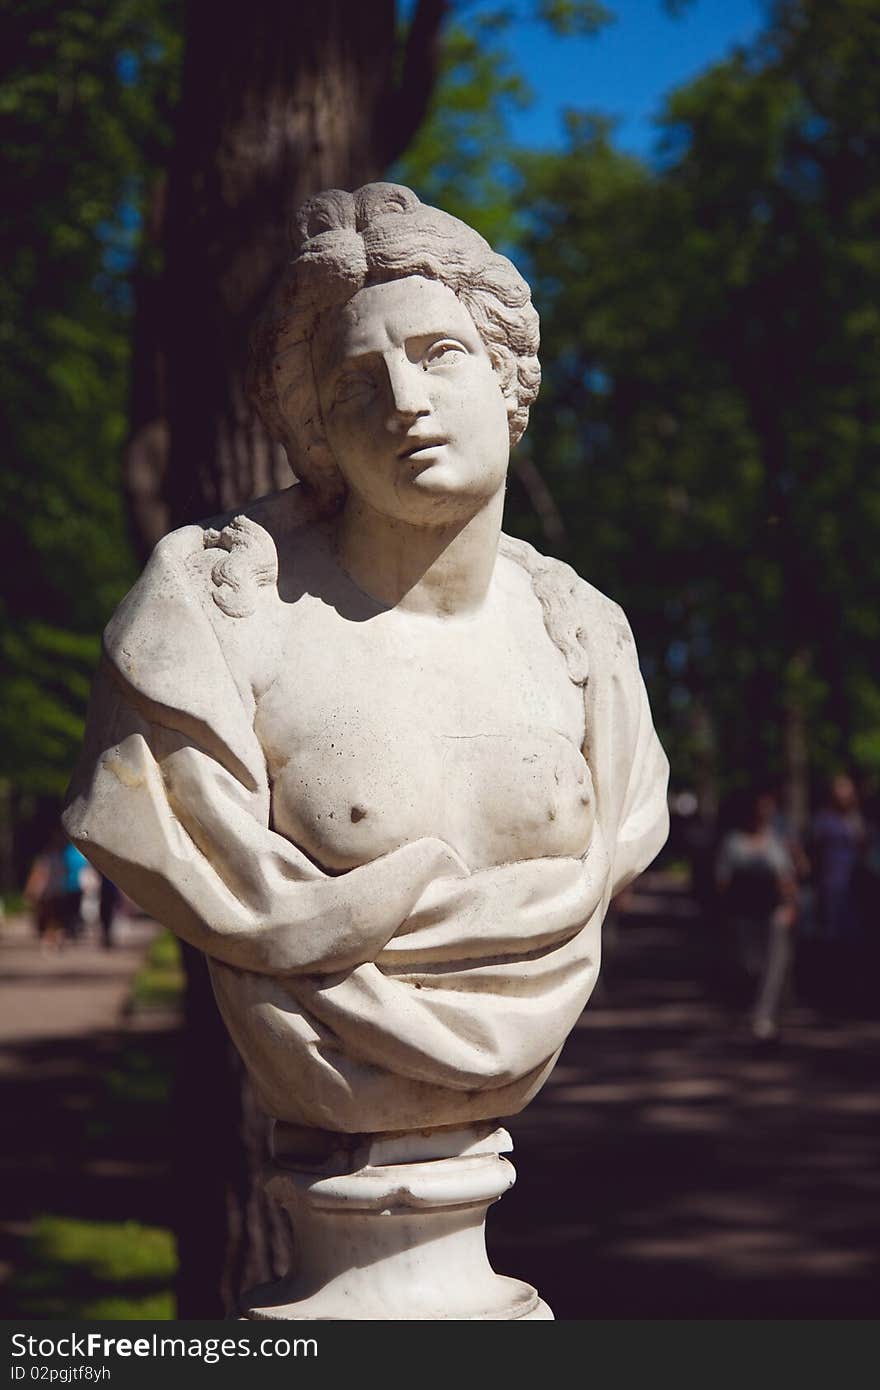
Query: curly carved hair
344	241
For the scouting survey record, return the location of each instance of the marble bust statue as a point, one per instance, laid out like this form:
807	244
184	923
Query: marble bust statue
383	764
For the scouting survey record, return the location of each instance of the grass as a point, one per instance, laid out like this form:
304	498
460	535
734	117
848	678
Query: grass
678	871
98	1269
73	1267
159	984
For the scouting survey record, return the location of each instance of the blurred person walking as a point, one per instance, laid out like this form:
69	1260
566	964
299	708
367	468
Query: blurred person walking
44	890
110	899
757	886
53	891
837	842
870	869
76	866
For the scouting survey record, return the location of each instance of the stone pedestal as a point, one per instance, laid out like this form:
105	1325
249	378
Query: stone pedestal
391	1227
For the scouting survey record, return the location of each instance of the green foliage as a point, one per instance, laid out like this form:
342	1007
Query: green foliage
83	120
573	17
461	159
709	418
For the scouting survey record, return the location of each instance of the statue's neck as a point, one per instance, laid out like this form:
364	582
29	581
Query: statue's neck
439	571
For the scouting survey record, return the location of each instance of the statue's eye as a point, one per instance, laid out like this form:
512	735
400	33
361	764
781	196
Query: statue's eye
446	353
354	386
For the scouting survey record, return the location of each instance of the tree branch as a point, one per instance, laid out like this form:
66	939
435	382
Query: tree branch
407	105
541	498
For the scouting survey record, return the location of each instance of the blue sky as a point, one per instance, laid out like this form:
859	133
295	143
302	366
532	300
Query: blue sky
626	70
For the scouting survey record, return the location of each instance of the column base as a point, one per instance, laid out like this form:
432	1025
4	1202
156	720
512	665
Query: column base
392	1227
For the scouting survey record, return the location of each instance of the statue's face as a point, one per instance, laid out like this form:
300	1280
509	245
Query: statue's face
412	407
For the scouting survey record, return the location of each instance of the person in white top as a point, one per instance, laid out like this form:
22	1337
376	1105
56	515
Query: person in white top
757	883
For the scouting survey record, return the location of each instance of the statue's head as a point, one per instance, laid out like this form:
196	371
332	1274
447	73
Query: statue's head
344	243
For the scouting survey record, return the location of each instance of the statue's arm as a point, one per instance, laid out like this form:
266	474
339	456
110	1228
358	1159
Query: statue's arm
183	837
528	905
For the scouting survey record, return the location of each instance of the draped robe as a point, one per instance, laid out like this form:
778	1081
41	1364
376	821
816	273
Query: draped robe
404	993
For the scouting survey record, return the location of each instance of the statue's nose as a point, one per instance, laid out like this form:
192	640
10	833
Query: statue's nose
408	394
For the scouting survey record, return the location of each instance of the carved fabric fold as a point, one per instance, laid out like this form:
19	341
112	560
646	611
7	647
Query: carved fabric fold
460	987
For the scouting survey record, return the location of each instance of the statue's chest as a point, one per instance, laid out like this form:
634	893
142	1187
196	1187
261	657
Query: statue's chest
375	739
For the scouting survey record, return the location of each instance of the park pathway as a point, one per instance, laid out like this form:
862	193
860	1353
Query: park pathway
69	993
669	1169
673	1169
83	1090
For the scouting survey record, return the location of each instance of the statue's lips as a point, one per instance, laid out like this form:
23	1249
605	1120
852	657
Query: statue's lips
419	448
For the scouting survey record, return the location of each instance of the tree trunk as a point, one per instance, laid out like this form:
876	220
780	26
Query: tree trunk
272	111
278	101
795	747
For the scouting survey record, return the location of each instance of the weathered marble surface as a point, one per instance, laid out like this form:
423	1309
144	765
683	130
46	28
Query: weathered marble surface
385	765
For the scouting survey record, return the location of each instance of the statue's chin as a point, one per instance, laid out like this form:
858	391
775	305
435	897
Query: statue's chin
446	472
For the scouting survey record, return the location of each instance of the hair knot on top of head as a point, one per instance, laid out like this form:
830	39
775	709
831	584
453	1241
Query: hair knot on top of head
342	242
337	254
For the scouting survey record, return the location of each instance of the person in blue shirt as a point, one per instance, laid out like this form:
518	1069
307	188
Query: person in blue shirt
54	890
71	895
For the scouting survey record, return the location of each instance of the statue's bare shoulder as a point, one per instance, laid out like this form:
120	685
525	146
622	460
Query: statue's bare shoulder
226	570
590	628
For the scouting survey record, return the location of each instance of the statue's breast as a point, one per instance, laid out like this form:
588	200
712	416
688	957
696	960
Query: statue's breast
373	741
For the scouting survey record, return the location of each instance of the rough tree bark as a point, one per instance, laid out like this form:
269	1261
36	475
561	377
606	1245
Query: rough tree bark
278	101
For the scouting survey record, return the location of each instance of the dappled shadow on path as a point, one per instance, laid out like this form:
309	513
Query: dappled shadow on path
672	1168
89	1139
